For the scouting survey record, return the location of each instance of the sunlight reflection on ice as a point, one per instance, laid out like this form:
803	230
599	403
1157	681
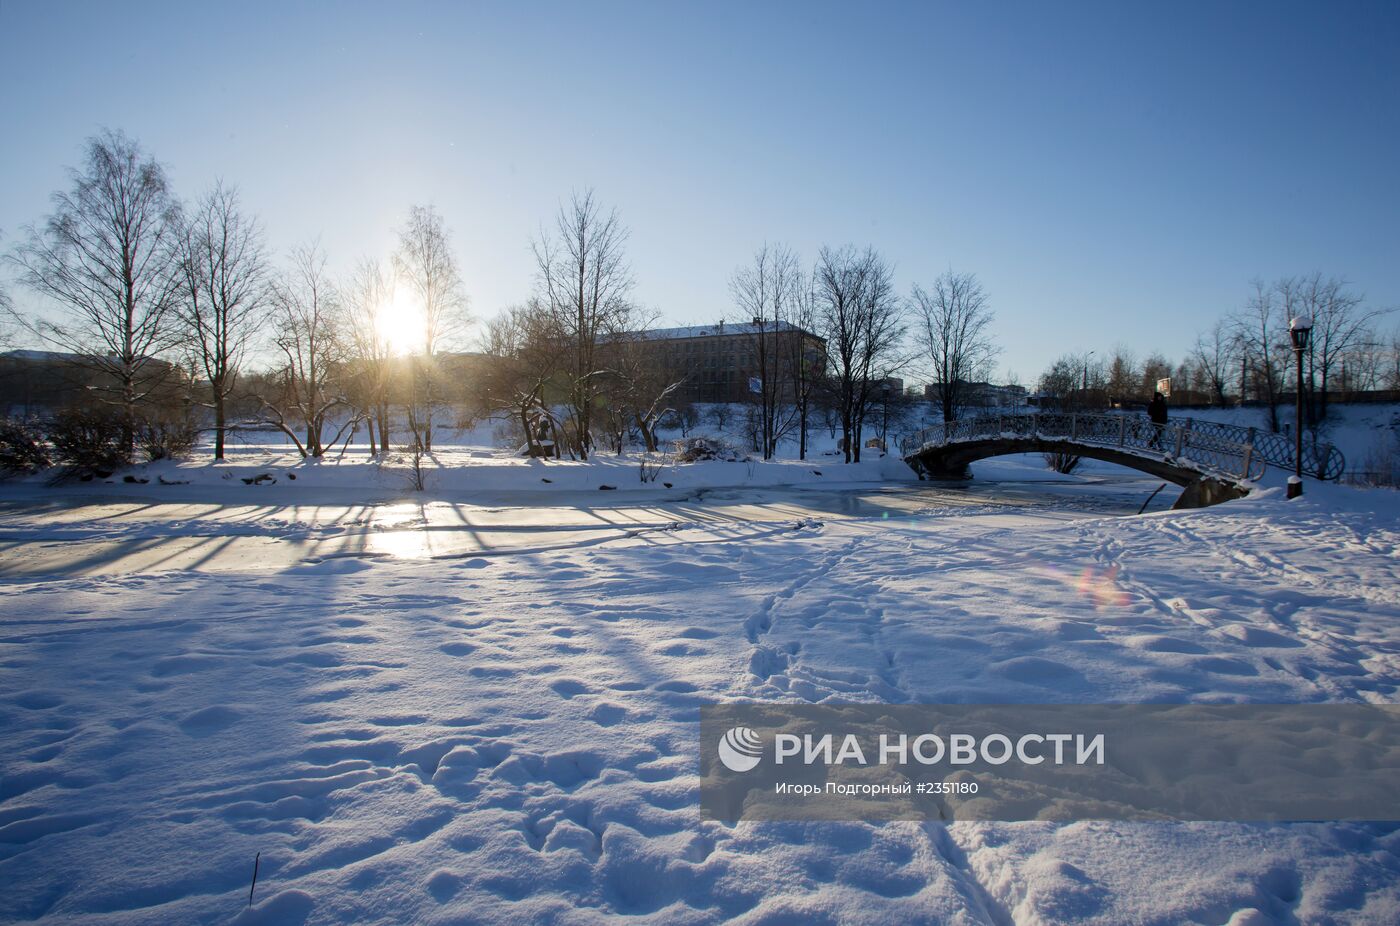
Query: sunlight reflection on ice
408	544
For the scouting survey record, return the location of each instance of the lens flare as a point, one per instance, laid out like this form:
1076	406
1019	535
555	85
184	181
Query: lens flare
401	322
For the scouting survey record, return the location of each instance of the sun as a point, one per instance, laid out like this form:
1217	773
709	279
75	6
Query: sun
400	322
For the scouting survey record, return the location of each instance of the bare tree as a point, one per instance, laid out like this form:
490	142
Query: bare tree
426	265
1391	372
862	321
636	384
7	310
1060	381
1341	323
1215	360
806	362
953	324
1124	376
1071	380
1155	368
109	257
1258	328
526	351
767	293
307	334
224	266
1363	366
367	298
584	282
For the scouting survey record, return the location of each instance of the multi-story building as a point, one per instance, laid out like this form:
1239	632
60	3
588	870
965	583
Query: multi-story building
982	395
720	362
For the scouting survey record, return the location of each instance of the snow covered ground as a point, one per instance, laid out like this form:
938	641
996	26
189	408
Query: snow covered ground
436	730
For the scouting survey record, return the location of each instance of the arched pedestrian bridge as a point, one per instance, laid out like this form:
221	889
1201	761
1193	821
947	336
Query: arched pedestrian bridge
1214	462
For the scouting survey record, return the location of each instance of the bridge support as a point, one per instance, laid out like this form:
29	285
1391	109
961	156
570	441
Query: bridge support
1205	491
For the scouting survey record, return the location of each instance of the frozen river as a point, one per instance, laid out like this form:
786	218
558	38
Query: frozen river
96	532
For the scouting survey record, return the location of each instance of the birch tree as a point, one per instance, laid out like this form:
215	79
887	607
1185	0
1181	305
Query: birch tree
308	338
584	282
427	267
108	257
224	269
366	298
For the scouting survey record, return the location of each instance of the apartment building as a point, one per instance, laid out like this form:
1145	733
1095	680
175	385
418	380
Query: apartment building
720	362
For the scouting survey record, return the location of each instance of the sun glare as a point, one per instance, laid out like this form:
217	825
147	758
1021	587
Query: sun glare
400	322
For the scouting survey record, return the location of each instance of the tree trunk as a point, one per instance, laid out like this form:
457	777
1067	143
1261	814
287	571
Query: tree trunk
128	411
218	426
802	431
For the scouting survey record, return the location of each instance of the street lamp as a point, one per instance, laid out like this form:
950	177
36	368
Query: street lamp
1300	330
1084	384
885	427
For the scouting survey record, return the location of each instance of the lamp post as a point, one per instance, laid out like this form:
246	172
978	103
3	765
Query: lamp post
885	426
1300	330
1084	383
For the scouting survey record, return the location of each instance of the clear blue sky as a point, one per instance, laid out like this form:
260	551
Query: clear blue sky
1112	171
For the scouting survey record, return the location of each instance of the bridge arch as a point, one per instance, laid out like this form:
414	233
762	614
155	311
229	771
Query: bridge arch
1204	460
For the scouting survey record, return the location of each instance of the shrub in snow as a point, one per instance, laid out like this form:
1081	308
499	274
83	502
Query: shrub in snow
22	449
695	449
88	443
650	468
1062	462
413	456
1381	464
166	436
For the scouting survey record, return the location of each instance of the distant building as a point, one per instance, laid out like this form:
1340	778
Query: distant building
41	382
982	395
719	362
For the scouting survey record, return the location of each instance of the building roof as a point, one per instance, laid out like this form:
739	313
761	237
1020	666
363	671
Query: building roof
718	329
54	356
40	355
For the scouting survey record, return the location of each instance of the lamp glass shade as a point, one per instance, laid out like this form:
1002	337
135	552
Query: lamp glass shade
1300	329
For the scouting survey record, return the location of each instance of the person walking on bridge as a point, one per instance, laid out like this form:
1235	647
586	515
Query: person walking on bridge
1157	414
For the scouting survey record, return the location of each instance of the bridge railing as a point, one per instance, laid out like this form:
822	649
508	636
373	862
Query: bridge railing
1210	445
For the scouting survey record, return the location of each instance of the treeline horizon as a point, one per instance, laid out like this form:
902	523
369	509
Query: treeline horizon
169	304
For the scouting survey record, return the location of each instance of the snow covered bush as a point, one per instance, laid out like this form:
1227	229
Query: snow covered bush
22	449
166	437
695	449
88	443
